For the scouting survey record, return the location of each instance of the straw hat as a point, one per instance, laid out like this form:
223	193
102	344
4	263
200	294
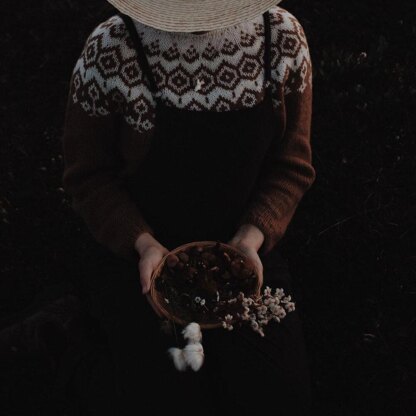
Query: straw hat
192	15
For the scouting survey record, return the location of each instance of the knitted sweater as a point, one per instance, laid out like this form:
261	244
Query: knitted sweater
110	115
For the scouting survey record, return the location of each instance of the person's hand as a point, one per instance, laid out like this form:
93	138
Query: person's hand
249	239
151	253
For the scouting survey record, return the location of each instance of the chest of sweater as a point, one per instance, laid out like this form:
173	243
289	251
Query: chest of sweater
216	71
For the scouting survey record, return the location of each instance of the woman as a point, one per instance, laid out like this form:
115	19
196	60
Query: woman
188	122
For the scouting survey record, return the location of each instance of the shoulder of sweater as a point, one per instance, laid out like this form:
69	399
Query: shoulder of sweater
292	61
94	76
111	31
285	25
107	47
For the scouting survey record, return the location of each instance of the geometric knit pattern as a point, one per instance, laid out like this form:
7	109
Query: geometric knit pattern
228	64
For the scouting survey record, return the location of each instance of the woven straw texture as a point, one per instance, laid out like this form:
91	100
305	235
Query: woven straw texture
192	15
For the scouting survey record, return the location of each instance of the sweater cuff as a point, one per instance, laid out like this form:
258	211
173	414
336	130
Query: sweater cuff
267	224
120	234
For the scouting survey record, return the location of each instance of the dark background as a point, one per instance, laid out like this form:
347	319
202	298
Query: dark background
351	244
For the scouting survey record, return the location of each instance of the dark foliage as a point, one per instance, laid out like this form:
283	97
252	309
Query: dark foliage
351	243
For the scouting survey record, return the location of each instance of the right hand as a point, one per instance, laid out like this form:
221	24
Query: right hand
151	253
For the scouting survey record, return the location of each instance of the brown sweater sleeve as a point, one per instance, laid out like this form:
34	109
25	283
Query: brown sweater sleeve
287	173
91	178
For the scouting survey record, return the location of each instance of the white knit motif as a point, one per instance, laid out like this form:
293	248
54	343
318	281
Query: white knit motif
219	70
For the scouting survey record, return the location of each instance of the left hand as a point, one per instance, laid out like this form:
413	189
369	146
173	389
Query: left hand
249	239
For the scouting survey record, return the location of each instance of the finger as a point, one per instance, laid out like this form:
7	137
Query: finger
145	271
261	278
259	267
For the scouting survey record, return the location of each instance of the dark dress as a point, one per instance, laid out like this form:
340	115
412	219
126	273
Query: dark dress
194	185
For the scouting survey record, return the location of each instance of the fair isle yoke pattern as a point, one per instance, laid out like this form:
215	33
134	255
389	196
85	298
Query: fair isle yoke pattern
229	62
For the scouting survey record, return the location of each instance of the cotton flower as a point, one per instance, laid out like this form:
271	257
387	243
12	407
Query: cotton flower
226	323
290	306
192	332
279	292
275	300
274	309
240	296
254	324
245	316
281	313
178	358
247	302
194	355
262	309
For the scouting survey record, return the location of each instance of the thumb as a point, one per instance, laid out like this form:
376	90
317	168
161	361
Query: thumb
145	271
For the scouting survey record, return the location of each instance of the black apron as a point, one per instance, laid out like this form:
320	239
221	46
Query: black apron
201	169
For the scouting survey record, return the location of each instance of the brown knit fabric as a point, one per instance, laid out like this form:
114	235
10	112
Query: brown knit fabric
110	117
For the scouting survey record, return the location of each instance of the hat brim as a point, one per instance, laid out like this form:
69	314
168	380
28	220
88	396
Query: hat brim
193	15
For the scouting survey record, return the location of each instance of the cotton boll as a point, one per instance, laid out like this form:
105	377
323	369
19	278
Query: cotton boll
178	358
192	332
194	355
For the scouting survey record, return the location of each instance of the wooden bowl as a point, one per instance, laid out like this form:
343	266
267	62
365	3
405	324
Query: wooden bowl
156	298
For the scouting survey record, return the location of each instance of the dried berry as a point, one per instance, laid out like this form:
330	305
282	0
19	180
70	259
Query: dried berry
206	255
226	256
246	273
193	271
217	246
196	250
235	268
226	275
172	260
209	286
183	257
236	264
